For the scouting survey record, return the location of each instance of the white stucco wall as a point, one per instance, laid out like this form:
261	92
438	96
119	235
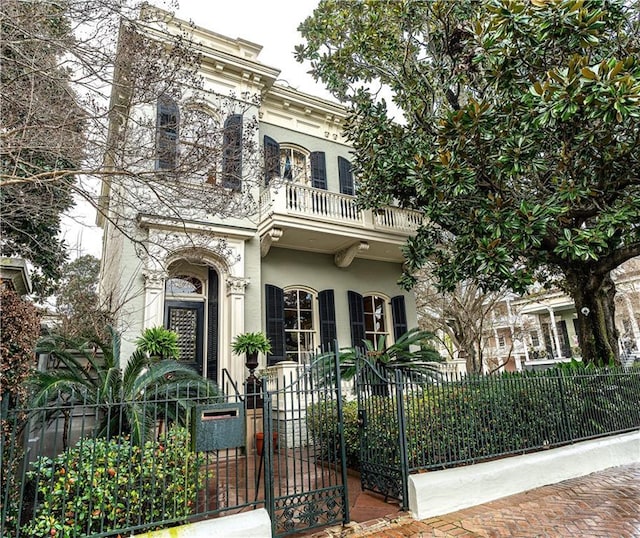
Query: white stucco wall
253	524
441	492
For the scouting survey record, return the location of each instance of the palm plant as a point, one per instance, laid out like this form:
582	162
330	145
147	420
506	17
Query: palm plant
128	400
411	351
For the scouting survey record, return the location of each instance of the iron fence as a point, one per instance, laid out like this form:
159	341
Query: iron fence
409	424
73	468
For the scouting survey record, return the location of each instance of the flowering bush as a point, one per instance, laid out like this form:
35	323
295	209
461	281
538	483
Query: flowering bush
102	485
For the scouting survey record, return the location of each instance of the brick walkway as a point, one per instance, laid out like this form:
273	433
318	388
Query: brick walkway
599	505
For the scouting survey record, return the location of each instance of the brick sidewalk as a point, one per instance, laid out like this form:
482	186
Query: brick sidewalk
599	505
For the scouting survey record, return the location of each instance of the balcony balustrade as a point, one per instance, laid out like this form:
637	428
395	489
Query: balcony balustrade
293	199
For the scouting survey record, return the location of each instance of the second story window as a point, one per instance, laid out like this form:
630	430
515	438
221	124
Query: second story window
167	123
294	164
232	152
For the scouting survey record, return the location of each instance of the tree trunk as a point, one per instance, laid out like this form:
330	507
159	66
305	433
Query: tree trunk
594	298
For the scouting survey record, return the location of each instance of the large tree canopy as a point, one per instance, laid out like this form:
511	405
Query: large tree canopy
41	135
519	137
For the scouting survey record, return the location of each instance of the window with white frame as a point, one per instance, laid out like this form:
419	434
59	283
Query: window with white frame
299	324
294	163
376	326
501	341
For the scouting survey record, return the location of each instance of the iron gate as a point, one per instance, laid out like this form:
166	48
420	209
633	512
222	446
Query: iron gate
305	465
381	416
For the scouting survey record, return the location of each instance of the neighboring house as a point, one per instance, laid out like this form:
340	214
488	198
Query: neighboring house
539	330
14	275
307	266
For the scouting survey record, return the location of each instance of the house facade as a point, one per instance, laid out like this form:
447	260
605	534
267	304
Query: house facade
286	251
539	330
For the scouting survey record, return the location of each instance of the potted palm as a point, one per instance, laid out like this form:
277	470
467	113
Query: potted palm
251	343
159	343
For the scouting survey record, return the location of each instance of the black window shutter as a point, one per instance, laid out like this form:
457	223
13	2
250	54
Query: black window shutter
212	326
271	159
275	323
346	176
318	170
399	313
327	307
167	123
356	316
232	152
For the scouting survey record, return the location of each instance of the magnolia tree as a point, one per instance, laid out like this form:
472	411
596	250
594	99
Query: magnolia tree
85	87
518	136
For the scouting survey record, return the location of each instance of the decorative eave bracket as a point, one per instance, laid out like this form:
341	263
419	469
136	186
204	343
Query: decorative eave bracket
272	236
344	257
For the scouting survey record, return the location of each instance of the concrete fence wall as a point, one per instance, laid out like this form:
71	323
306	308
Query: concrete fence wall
254	524
440	492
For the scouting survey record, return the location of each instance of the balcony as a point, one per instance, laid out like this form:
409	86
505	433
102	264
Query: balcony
315	220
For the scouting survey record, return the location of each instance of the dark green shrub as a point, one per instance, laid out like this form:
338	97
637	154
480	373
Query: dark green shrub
322	424
484	417
101	485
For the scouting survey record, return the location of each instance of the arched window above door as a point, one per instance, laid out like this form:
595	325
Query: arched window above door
183	285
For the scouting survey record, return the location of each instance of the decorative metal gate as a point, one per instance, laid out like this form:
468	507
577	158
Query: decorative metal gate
304	451
381	416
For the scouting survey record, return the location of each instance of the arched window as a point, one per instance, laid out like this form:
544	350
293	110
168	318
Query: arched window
183	285
232	152
299	324
167	124
200	142
294	163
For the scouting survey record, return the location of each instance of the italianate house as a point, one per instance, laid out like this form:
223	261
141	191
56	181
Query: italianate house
268	239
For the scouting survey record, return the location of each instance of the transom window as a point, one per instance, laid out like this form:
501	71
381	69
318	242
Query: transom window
299	324
183	285
375	320
294	164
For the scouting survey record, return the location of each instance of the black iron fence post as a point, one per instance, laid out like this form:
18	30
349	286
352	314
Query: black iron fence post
402	438
563	406
266	457
343	448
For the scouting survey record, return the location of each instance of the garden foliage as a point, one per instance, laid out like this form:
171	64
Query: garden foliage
102	485
479	418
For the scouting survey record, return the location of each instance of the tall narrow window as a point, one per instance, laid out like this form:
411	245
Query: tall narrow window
167	123
232	152
375	321
299	326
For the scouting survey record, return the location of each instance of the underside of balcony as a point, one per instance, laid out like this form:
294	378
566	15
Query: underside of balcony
314	220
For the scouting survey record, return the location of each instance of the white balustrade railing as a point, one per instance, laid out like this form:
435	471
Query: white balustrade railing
398	219
294	199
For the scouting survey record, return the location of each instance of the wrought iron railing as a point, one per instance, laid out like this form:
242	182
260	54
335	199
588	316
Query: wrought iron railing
410	424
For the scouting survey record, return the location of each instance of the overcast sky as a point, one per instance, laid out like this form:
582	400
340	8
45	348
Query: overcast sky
270	24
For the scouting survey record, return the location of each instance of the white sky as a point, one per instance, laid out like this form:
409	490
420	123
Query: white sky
270	24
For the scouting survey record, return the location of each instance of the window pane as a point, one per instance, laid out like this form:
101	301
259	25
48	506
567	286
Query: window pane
183	284
290	299
305	300
306	320
290	319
